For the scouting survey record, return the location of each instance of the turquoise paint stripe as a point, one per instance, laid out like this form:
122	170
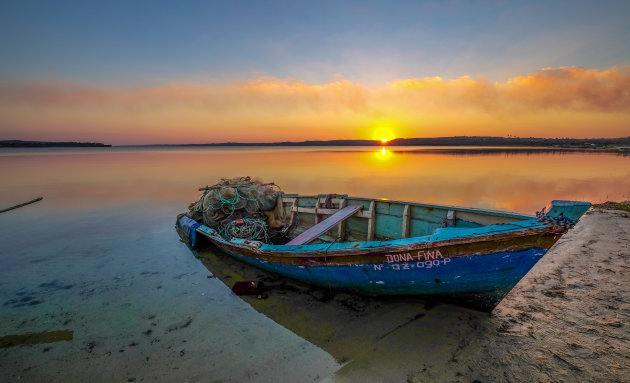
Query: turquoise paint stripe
440	235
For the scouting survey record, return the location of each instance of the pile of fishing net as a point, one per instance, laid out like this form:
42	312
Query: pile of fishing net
243	208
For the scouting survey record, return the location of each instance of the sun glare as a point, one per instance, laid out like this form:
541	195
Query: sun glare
382	130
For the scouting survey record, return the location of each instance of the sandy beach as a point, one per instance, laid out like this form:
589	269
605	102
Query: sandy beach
567	320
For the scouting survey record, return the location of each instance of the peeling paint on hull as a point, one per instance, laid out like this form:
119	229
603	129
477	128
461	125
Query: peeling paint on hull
488	277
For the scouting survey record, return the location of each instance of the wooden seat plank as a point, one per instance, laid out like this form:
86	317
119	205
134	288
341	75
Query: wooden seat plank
314	232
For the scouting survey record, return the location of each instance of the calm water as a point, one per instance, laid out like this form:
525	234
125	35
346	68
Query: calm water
99	254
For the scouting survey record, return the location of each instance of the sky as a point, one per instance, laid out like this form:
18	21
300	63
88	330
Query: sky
147	72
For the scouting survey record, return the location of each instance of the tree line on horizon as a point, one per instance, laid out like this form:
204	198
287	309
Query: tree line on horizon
428	141
441	141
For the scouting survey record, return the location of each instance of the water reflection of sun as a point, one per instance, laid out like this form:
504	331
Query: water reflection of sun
380	159
383	154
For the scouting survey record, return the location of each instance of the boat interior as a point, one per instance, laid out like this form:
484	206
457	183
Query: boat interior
331	218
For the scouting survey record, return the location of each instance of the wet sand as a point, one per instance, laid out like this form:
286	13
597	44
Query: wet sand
567	320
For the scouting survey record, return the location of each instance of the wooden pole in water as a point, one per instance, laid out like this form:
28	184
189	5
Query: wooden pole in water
22	204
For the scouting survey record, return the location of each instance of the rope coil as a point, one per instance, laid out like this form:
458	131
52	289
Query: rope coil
246	228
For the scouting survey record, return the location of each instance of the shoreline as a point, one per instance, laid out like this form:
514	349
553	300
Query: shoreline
406	149
615	144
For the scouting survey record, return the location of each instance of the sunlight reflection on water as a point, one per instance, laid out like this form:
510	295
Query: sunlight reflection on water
516	181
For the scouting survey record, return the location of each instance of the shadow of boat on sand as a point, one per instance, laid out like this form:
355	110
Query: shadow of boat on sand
347	326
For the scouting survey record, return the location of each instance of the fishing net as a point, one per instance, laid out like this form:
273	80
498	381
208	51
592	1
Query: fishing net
243	208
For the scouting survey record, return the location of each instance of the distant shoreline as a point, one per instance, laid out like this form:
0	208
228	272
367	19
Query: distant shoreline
575	143
47	144
622	143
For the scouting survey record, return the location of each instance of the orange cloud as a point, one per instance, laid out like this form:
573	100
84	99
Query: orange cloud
568	88
552	102
573	88
264	92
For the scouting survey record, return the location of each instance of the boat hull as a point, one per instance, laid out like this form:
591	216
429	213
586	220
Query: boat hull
478	273
487	277
474	273
473	266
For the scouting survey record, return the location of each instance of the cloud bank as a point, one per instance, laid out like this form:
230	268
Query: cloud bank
563	101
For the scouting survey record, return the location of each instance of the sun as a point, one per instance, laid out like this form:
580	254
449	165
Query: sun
382	131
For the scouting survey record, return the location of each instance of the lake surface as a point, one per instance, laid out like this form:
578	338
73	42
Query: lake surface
99	255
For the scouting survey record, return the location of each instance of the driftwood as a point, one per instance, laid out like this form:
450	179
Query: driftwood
22	204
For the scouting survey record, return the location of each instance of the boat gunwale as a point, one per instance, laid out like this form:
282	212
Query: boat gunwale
367	248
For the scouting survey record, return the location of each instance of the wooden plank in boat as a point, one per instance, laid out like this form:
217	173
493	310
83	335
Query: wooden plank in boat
341	229
310	210
293	212
371	221
325	225
289	200
405	223
317	213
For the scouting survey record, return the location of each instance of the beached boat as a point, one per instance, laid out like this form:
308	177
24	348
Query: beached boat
383	247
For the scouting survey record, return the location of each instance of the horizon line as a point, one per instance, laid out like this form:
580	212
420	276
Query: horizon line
473	140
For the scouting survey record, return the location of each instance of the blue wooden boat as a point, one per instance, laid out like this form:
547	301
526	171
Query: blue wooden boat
383	247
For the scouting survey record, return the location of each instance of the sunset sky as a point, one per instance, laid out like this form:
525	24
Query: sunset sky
145	72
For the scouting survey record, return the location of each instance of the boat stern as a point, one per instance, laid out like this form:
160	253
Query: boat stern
187	229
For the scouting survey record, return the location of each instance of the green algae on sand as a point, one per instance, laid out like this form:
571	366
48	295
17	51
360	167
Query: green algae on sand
35	338
624	205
